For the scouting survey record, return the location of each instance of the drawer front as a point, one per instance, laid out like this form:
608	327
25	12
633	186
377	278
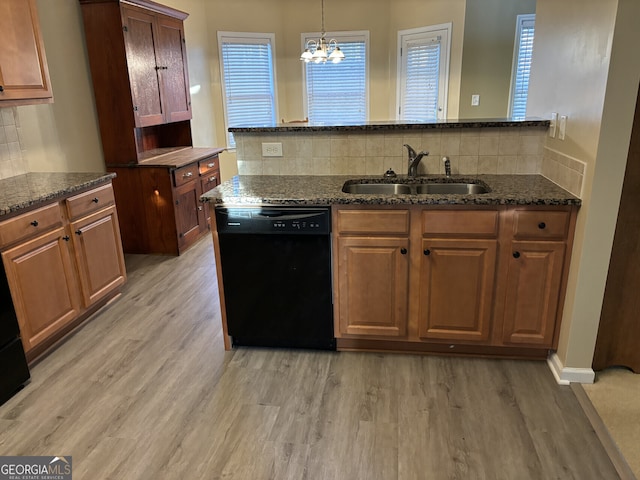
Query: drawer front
473	223
30	224
185	174
540	224
90	201
210	182
206	166
373	221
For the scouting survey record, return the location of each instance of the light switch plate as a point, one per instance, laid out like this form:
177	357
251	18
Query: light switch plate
553	125
273	149
563	127
475	100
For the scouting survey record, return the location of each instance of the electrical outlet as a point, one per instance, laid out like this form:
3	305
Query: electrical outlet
475	100
553	125
563	127
272	149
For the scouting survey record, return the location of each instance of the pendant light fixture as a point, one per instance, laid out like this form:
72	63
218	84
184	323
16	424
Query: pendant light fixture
319	51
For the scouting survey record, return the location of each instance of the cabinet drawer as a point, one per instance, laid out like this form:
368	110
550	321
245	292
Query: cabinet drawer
30	224
90	201
540	224
185	174
207	166
373	221
475	223
210	182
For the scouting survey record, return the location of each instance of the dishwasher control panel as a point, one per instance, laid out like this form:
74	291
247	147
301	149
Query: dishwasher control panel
274	220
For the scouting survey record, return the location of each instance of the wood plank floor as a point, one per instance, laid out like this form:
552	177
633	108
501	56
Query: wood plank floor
146	391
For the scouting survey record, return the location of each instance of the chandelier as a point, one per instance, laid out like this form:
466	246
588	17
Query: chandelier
321	50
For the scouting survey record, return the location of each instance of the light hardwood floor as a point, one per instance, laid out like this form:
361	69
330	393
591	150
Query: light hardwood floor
146	391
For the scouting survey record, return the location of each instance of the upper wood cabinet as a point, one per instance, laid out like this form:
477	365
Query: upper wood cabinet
24	75
137	54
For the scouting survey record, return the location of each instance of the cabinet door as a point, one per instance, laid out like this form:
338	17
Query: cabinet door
99	256
43	285
24	75
373	283
171	55
533	286
190	216
456	289
140	41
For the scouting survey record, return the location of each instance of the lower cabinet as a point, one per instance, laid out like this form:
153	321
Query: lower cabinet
485	280
65	267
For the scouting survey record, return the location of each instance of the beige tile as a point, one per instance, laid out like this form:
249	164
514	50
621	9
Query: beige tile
509	132
397	164
374	166
470	132
393	145
271	166
5	169
322	166
339	166
431	166
468	164
339	146
289	166
15	152
357	146
488	145
414	139
487	164
490	132
432	143
374	145
321	146
508	145
252	146
356	166
533	131
469	145
450	145
249	168
4	152
530	145
507	164
8	116
304	166
528	164
11	133
3	136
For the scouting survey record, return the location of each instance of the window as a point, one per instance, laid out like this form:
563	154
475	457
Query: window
338	93
525	28
248	79
423	66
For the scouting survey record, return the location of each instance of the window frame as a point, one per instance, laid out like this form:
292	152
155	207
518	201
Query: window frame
520	21
253	37
445	62
341	37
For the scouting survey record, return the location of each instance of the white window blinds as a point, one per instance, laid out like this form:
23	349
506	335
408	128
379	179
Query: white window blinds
423	68
336	93
522	65
248	78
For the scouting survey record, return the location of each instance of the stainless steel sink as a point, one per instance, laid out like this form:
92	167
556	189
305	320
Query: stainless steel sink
378	188
451	188
415	188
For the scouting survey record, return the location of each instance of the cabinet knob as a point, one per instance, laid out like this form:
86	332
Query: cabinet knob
403	251
199	208
516	254
427	251
95	200
1	88
211	165
66	238
78	232
212	179
34	223
542	225
187	175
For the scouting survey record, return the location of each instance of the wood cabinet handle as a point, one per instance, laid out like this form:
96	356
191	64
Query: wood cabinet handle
1	88
211	165
187	175
34	223
542	225
95	200
78	232
66	238
212	179
427	251
516	254
403	251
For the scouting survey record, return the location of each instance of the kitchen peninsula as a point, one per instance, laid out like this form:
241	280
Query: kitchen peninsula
476	274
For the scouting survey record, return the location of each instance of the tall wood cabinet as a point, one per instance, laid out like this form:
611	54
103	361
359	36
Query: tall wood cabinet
24	74
62	261
138	59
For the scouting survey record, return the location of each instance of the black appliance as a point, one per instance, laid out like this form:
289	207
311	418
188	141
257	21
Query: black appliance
14	371
276	271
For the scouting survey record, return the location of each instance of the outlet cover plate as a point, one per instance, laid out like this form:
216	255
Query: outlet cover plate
272	149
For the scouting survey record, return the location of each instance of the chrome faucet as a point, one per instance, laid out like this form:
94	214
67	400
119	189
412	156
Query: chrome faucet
414	160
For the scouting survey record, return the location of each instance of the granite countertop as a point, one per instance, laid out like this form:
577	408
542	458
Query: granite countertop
395	125
327	190
32	189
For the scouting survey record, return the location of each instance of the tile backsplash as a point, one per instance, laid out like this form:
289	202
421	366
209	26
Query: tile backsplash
472	151
12	161
566	171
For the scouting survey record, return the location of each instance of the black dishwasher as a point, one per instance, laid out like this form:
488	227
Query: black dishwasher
276	272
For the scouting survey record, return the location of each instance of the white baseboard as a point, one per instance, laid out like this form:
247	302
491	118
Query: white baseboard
566	375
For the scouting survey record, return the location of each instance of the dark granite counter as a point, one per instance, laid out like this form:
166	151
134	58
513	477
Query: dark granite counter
327	190
391	126
31	189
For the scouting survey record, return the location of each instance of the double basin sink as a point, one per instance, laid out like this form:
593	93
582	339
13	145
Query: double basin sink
434	187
